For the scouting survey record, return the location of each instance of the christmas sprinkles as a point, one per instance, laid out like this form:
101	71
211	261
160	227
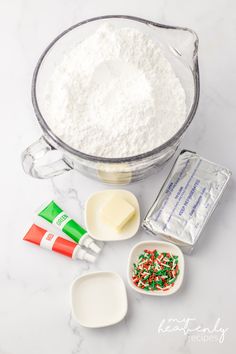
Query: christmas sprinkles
155	271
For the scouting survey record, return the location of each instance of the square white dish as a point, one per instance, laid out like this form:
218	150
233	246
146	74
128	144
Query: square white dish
160	246
98	299
101	231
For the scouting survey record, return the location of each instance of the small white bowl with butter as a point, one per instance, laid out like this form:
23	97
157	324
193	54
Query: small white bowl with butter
112	215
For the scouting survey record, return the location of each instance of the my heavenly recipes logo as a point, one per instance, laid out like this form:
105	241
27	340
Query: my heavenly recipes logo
195	332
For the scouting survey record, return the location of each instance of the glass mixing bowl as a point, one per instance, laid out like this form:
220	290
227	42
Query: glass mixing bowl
50	156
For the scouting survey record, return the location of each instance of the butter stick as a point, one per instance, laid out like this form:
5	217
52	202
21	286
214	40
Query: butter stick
117	212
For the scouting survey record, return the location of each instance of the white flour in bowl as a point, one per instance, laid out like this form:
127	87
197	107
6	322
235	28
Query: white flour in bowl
115	95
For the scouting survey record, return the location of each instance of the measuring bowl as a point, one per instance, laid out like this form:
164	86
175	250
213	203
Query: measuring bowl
50	156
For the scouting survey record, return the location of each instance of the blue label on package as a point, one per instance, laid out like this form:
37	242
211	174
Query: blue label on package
187	199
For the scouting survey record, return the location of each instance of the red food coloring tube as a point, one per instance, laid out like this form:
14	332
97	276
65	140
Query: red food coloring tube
47	240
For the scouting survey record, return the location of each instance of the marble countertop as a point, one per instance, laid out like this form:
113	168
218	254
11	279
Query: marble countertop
34	293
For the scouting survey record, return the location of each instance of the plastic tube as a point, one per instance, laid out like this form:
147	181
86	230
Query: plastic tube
55	215
47	240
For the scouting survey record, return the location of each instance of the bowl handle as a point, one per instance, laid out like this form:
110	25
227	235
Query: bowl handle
37	160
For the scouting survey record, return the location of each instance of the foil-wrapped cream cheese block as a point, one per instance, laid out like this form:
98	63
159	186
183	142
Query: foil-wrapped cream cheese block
186	200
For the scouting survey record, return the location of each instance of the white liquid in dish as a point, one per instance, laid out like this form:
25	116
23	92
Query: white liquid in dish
99	299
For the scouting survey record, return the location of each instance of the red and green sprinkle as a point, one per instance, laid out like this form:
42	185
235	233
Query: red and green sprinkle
155	271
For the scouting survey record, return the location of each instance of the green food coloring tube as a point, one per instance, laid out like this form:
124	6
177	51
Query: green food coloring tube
56	216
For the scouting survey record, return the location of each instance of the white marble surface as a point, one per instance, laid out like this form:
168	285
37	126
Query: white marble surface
34	284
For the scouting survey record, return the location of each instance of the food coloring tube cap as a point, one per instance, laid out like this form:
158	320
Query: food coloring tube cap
94	247
89	257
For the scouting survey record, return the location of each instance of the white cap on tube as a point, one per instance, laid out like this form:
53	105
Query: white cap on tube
89	257
94	247
88	242
80	253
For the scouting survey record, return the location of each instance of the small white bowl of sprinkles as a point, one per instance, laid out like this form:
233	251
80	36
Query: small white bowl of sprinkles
155	268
